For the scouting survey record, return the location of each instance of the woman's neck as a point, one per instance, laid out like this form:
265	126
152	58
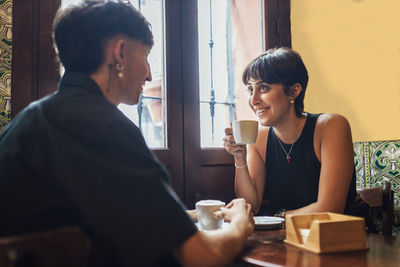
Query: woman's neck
289	130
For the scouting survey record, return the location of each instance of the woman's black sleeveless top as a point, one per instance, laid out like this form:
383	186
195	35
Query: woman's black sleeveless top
292	185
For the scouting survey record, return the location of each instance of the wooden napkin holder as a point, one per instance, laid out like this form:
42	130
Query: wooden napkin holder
326	232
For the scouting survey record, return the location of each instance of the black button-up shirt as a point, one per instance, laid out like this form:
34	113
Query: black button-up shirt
73	158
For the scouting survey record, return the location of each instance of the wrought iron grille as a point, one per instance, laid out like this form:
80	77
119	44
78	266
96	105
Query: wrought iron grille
230	98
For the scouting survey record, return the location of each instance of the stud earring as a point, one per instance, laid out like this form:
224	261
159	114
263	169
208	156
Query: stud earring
120	68
291	101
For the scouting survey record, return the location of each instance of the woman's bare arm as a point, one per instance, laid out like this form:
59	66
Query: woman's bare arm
334	148
250	180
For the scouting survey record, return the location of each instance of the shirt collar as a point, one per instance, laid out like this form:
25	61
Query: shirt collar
81	80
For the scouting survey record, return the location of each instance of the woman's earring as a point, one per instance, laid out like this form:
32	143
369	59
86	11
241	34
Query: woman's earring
291	101
120	68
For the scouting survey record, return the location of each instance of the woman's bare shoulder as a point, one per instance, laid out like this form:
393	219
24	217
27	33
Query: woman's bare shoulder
331	130
331	123
331	120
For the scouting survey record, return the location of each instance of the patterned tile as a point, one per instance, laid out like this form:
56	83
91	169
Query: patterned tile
359	164
5	61
376	162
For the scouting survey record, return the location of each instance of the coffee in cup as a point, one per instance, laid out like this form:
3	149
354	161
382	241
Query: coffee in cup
205	210
245	131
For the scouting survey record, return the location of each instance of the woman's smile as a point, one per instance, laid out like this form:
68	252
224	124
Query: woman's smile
261	111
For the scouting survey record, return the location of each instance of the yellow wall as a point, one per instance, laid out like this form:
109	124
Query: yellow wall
352	51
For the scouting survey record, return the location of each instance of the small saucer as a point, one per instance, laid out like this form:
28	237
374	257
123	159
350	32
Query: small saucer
268	222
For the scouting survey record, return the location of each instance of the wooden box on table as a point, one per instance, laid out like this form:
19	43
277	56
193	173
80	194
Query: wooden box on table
326	232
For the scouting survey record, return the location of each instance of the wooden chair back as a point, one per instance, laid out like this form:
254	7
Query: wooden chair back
380	198
63	247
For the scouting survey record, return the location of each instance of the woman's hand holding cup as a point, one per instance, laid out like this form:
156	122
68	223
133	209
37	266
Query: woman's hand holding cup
238	151
241	133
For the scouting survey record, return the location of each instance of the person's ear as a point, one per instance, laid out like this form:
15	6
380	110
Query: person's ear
119	51
295	90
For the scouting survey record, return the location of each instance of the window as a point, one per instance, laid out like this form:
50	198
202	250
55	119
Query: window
217	103
226	30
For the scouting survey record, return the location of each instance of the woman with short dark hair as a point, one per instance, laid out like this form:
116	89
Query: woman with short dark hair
301	162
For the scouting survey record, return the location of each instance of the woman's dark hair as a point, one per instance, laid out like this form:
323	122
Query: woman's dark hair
80	32
283	66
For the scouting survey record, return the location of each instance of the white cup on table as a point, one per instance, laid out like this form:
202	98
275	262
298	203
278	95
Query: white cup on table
205	210
245	131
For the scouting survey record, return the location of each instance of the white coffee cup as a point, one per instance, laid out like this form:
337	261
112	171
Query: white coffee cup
245	131
205	210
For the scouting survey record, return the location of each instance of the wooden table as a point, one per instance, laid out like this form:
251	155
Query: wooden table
266	248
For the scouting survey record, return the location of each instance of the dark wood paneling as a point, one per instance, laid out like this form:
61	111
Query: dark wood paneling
48	76
163	155
191	108
33	67
173	156
216	156
277	23
285	35
22	71
217	182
